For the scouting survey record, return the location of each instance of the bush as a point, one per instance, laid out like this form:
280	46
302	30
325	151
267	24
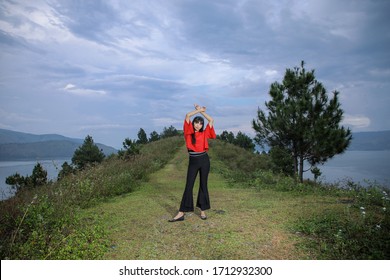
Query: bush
236	163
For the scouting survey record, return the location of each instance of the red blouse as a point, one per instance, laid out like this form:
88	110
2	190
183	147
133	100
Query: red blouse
201	144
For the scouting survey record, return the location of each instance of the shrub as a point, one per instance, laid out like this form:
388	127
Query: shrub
237	164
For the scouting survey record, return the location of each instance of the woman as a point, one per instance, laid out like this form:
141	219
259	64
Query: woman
196	136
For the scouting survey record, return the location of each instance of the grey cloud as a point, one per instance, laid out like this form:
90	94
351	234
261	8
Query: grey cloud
156	58
88	19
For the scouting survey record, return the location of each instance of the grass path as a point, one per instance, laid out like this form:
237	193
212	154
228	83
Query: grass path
242	224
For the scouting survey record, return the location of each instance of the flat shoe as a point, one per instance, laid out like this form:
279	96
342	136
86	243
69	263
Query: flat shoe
176	220
203	217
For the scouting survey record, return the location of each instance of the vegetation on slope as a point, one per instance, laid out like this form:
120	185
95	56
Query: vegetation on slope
353	224
45	222
119	210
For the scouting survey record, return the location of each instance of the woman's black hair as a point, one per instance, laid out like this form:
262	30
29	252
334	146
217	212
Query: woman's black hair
197	120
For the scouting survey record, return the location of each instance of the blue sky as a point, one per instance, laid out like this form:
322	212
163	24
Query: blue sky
108	68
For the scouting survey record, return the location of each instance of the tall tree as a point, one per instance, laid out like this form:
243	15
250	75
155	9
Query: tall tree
154	136
87	154
39	175
303	120
169	132
131	148
17	181
37	178
142	137
227	136
244	141
65	170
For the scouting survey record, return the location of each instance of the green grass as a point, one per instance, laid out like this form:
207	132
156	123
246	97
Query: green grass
120	210
244	223
240	224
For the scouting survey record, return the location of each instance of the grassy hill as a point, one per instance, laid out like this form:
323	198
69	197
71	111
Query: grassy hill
119	210
242	224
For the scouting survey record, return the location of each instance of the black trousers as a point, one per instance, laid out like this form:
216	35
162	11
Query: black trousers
196	164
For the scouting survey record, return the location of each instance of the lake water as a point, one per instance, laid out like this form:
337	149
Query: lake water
357	166
25	168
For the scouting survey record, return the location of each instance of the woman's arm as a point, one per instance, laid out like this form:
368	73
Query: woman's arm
190	114
202	110
210	119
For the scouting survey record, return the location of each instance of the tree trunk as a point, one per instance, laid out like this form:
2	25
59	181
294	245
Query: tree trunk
301	169
295	165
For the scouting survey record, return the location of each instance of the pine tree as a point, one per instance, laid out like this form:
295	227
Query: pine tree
154	136
302	120
38	176
142	137
169	132
87	154
65	171
227	136
131	148
244	141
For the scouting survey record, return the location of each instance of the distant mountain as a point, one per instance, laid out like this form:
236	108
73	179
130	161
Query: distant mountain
10	136
370	141
25	146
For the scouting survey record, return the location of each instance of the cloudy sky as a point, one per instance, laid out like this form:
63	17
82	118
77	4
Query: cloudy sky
108	68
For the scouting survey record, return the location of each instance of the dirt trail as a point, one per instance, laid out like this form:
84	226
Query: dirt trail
242	224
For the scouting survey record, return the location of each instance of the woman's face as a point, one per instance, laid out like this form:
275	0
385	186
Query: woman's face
198	126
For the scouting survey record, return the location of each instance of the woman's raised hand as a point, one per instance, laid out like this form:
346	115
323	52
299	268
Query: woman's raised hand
199	108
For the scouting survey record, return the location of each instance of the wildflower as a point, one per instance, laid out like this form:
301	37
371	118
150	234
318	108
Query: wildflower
363	213
362	208
378	226
384	208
